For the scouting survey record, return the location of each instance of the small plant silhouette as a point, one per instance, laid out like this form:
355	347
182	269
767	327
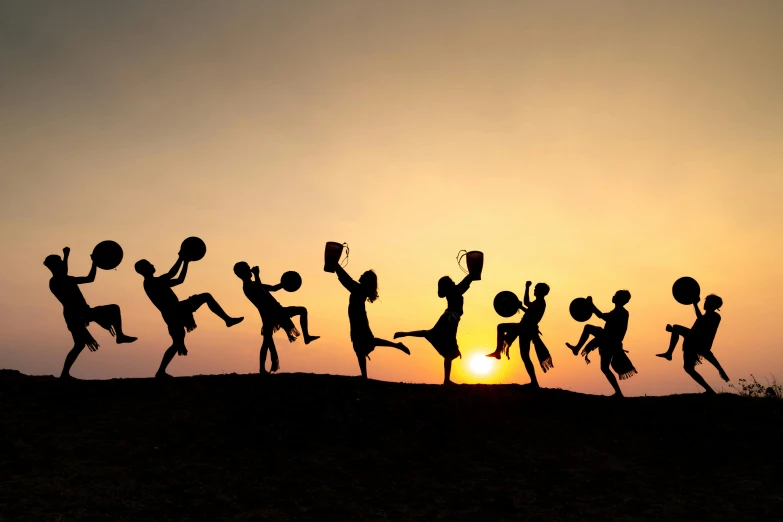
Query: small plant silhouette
753	388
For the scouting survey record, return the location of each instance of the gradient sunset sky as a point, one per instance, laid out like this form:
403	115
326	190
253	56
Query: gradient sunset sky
593	145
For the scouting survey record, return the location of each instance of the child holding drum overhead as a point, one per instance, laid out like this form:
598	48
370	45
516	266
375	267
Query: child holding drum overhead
443	336
77	313
177	314
698	339
274	316
366	289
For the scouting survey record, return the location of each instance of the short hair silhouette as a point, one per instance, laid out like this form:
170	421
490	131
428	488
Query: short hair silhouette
369	280
623	296
541	289
713	302
143	267
242	270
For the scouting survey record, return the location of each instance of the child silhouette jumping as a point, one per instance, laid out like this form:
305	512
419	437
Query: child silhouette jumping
77	313
697	340
364	342
177	314
274	316
443	336
609	341
527	331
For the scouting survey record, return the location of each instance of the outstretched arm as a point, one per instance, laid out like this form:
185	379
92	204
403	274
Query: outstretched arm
273	288
181	279
463	285
174	269
89	278
346	280
527	293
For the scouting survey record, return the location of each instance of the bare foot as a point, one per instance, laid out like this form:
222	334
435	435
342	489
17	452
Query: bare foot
122	339
573	348
163	375
275	366
398	335
666	356
496	355
311	338
68	377
403	348
234	320
724	377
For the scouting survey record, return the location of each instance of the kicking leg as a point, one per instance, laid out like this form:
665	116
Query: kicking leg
588	330
71	358
504	329
301	311
524	351
110	318
677	332
196	301
709	356
606	368
415	333
399	346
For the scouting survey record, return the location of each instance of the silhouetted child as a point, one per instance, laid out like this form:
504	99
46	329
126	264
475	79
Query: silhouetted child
177	314
274	316
528	332
364	342
77	313
609	341
443	336
697	340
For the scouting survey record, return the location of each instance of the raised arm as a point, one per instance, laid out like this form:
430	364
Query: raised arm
527	293
346	280
596	311
89	278
174	269
696	309
463	285
66	253
181	278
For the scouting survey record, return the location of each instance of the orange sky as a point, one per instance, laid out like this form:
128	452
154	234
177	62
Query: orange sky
591	145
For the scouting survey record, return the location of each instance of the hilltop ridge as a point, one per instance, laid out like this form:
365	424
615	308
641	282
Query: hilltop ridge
315	447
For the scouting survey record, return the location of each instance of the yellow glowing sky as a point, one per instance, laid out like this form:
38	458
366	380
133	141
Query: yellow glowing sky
593	145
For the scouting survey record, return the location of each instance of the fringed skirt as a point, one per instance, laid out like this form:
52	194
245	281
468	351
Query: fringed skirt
621	363
527	336
276	321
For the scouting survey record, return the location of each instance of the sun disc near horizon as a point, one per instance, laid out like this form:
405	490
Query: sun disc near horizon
480	364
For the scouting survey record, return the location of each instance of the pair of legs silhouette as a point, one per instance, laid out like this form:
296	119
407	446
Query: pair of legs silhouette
268	344
507	333
177	329
604	352
447	358
363	350
691	357
108	317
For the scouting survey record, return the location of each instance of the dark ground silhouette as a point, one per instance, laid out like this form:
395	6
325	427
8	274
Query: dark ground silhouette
318	447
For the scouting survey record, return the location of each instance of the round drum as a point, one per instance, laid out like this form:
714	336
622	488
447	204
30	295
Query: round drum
193	249
291	281
686	291
506	303
107	255
580	309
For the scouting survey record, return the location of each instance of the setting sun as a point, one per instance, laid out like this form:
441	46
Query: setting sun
480	364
